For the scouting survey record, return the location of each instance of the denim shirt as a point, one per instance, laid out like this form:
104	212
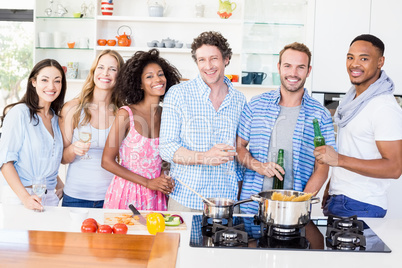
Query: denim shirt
31	147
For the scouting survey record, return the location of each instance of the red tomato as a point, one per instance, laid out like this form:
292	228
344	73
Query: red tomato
120	228
105	229
90	220
89	227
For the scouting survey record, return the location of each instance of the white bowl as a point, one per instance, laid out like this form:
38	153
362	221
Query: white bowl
78	215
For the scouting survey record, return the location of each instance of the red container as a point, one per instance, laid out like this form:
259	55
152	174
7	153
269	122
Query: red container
107	8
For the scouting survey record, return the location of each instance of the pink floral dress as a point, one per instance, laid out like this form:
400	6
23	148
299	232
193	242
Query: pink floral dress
141	156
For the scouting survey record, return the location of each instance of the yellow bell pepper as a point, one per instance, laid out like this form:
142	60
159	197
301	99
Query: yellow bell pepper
155	223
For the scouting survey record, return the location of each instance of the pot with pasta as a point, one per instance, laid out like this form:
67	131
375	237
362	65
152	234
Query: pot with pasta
285	208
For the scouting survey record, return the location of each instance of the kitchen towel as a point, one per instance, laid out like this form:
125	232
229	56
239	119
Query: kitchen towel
351	106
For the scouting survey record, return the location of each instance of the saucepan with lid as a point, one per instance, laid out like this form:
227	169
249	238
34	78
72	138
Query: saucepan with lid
284	214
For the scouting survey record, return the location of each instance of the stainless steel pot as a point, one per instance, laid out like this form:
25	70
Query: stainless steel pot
285	214
222	208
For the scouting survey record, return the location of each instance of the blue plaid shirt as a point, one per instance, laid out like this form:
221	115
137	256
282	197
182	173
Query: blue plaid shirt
256	125
189	120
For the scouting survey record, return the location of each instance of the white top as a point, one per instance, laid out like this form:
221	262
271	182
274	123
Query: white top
86	179
380	120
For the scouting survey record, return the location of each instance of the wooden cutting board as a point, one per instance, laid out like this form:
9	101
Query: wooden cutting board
134	224
63	249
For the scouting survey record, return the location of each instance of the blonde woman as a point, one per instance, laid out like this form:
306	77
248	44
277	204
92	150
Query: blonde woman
86	181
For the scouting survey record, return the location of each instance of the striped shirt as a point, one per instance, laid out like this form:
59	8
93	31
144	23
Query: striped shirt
256	124
189	120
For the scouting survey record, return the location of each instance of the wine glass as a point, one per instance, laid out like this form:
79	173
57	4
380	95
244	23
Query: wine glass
231	142
39	188
168	174
230	165
85	135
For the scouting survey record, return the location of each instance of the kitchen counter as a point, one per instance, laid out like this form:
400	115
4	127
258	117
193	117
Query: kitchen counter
16	217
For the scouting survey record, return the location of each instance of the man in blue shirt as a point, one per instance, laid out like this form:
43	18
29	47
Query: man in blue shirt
198	129
283	119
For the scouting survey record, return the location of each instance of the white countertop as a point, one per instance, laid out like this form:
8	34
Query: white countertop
16	217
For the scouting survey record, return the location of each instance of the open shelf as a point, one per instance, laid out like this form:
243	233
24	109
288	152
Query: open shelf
169	19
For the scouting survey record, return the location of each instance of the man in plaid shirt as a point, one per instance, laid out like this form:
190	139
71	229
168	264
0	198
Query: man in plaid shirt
198	129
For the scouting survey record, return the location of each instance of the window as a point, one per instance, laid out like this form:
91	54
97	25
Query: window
16	50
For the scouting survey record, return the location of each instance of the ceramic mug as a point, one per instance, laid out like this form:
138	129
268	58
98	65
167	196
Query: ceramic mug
45	39
259	77
58	39
276	79
84	42
107	8
199	10
247	77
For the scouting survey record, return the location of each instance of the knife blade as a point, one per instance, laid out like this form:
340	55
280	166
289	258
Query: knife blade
142	220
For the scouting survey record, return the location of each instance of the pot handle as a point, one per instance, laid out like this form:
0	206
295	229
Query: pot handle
242	201
315	200
256	197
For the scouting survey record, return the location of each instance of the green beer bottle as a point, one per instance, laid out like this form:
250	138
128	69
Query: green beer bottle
278	184
318	138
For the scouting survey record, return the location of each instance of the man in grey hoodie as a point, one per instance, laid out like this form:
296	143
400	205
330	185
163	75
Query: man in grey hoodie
369	137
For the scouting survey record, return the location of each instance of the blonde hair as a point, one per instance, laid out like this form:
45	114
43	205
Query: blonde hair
87	93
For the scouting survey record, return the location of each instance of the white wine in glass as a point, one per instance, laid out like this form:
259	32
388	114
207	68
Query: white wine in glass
85	135
231	142
39	188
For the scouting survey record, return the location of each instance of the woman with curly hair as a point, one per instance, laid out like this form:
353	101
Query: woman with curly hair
31	145
86	181
134	136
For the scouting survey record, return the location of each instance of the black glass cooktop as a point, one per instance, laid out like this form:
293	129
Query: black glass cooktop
314	238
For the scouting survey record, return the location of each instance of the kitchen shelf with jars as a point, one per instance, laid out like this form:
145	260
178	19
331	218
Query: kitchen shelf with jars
169	26
255	29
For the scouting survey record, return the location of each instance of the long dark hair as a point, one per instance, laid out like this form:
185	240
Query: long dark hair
31	98
128	84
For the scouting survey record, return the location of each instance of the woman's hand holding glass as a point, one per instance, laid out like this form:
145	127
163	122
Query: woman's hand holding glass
39	189
85	135
81	148
163	183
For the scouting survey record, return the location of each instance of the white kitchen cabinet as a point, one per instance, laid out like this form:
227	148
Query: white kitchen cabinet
337	23
386	24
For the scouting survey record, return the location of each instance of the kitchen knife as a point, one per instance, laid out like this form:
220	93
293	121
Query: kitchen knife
142	220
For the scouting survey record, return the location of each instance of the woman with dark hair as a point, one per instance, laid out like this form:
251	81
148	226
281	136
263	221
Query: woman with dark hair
134	136
31	145
86	181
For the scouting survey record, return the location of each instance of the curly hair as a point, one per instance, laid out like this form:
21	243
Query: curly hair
128	86
31	98
87	92
213	39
